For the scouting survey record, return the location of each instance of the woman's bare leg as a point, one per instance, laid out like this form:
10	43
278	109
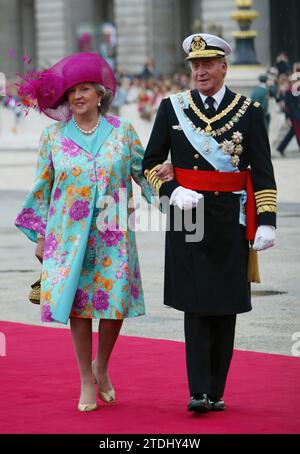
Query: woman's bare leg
82	340
108	334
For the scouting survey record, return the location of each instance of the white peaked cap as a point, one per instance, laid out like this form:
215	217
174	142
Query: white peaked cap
204	45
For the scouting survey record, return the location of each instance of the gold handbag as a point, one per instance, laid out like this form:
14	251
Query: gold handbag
35	292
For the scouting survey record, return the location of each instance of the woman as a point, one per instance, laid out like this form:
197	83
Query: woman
90	270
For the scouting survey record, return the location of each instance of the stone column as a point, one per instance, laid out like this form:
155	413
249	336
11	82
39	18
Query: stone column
166	34
27	23
52	34
10	38
217	13
148	29
134	38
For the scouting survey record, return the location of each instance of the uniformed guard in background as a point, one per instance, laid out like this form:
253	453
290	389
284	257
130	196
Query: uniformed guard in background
220	151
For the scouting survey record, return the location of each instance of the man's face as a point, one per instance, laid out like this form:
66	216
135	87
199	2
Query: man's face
208	74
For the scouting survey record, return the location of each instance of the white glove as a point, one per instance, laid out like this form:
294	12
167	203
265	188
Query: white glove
264	238
185	199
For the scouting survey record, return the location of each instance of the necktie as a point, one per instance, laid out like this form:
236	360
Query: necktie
211	111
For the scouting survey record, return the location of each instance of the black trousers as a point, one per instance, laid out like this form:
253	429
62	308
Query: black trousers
287	138
209	347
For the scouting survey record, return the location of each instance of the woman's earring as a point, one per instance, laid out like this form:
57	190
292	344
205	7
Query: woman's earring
99	104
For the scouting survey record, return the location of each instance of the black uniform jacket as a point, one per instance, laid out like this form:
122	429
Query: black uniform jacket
210	277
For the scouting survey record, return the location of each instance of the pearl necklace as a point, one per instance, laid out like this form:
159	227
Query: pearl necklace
91	130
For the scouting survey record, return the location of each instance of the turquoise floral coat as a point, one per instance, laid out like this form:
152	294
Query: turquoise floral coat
87	272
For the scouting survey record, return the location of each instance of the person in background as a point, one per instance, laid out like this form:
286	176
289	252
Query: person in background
85	42
12	101
291	101
282	63
260	94
149	70
108	44
120	98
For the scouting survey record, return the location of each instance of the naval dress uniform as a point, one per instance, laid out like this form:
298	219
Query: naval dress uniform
208	280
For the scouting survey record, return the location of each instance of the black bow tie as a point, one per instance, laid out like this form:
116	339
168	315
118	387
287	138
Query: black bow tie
211	111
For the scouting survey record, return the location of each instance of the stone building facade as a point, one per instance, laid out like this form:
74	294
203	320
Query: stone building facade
48	29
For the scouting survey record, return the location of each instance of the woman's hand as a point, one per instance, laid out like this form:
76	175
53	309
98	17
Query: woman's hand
165	172
39	250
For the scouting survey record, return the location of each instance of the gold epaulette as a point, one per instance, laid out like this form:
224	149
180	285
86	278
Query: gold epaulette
152	179
266	201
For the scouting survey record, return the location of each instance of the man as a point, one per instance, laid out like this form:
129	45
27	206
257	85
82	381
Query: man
292	113
213	135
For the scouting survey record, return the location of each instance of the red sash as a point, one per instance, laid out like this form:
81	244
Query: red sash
205	180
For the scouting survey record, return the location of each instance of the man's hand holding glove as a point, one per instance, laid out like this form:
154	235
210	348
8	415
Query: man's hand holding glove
264	238
185	199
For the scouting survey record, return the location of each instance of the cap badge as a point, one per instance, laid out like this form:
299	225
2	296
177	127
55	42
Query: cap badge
198	43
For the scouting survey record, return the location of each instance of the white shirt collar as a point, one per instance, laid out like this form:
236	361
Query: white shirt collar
217	96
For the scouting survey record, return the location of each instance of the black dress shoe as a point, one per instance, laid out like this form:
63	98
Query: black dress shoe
199	403
216	403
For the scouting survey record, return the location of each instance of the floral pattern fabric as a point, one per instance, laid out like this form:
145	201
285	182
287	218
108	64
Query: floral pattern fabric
86	272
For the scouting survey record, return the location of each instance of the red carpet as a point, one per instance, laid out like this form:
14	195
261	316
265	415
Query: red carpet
40	386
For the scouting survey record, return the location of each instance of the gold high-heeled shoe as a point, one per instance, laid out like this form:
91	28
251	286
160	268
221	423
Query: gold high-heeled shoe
106	396
87	407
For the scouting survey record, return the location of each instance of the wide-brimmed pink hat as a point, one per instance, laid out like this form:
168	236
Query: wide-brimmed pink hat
46	90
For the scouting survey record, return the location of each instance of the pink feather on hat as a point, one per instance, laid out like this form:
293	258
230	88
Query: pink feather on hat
29	86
